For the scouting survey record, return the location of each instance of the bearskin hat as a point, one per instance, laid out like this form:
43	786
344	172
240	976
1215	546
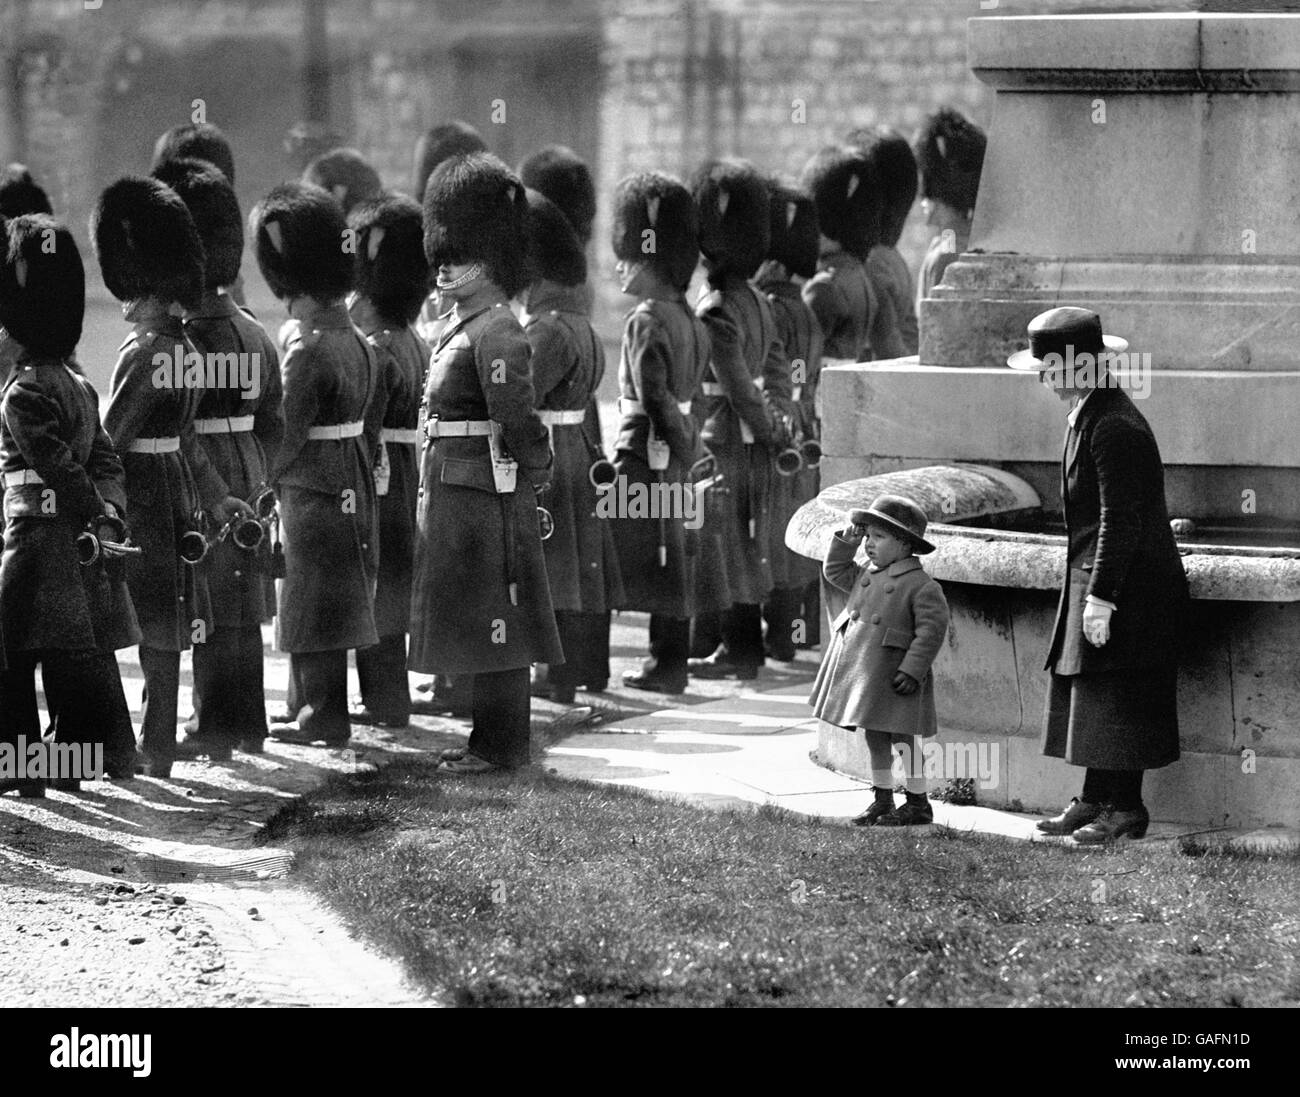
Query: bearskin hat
846	191
733	212
212	203
895	166
654	223
441	143
563	177
476	209
391	270
950	154
147	243
346	175
298	236
42	285
197	141
20	193
553	244
796	235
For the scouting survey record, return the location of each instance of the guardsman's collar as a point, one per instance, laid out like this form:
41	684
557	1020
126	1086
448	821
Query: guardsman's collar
546	295
214	303
315	316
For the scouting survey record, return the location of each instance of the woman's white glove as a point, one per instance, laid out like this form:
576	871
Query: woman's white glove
1096	623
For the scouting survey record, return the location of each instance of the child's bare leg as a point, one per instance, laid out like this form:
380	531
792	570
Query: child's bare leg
880	747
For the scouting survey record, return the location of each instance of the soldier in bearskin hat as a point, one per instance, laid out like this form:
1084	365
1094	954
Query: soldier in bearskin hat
747	389
346	174
562	176
950	154
791	261
442	142
392	280
152	261
196	141
662	361
239	423
19	194
844	188
60	475
568	363
895	167
481	605
334	402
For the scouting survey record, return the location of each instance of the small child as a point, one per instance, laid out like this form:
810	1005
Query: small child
875	675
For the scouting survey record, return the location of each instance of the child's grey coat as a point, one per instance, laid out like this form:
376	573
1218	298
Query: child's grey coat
894	619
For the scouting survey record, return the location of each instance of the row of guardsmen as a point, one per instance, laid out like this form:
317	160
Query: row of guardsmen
380	471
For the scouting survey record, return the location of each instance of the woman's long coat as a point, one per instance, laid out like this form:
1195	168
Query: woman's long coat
49	423
886	621
1121	550
240	583
326	487
164	491
472	544
404	358
801	341
568	363
664	354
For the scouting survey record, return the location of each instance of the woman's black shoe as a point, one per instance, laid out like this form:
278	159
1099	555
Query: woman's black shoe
1079	814
1113	825
26	789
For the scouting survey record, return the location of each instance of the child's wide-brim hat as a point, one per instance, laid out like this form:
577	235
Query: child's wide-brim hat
1066	333
899	515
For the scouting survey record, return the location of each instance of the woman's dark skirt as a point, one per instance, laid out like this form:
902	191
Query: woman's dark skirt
1115	720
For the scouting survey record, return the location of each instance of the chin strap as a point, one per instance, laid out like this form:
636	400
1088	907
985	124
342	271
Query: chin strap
464	280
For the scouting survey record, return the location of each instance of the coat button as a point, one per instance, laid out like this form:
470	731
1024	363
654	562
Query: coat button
875	618
867	581
238	573
889	588
854	615
364	546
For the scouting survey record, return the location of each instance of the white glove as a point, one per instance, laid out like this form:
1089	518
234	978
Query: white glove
1096	623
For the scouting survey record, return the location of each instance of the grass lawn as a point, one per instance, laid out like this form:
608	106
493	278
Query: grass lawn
533	890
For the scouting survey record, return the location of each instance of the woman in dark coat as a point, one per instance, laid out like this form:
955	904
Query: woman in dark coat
60	474
334	404
392	281
568	363
792	255
239	423
662	361
1112	705
481	604
152	261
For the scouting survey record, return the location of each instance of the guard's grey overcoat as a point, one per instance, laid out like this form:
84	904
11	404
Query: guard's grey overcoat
326	487
462	617
886	621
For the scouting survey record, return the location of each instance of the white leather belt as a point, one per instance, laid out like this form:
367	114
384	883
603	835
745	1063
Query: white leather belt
22	476
233	424
568	418
628	406
335	432
154	445
711	388
457	428
400	436
797	394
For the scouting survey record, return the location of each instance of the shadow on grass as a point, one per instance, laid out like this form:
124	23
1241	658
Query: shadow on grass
528	889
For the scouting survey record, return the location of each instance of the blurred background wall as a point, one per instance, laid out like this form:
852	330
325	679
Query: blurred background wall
628	84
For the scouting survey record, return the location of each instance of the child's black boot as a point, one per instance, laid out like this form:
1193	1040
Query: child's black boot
883	804
914	813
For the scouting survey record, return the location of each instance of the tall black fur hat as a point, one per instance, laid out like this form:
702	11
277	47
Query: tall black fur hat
298	236
20	193
42	285
733	211
950	154
147	242
795	232
475	209
562	176
212	203
553	243
198	141
391	270
442	142
844	186
654	223
346	174
895	167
